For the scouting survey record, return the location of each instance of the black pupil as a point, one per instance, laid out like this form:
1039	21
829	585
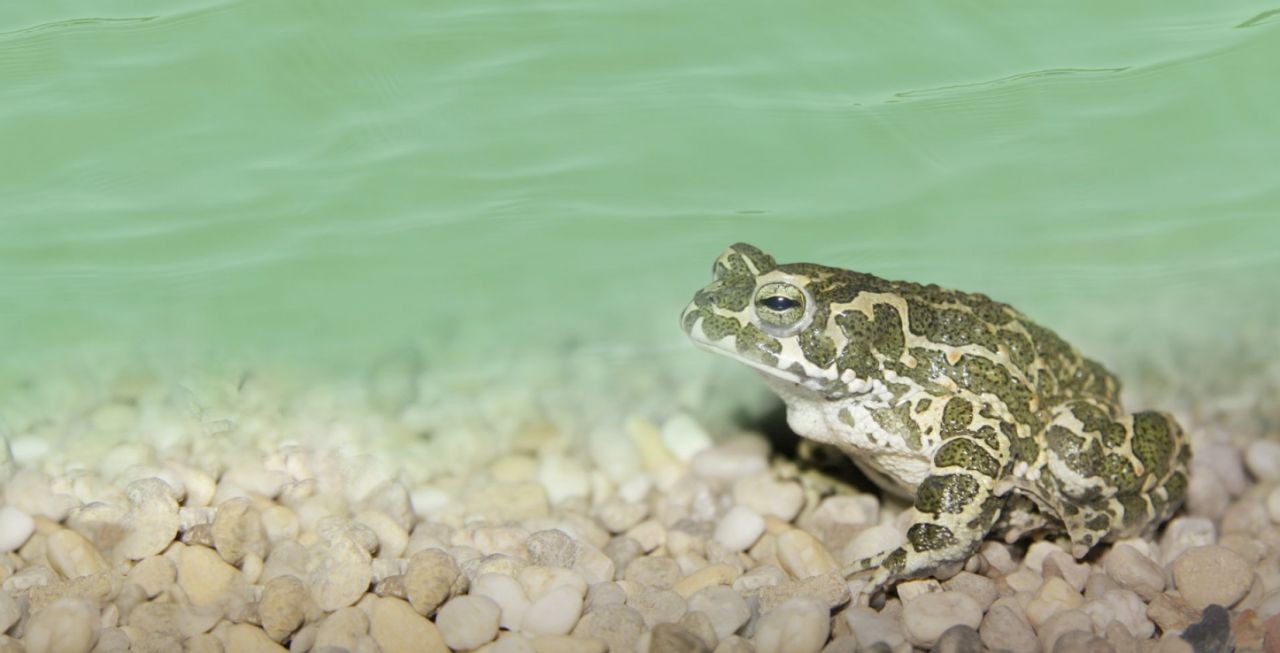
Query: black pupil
779	303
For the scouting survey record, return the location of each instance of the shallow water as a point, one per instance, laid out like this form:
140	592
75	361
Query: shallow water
495	181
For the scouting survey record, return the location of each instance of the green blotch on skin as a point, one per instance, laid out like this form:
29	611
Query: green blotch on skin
717	327
987	514
1095	420
754	343
957	414
1175	487
887	331
930	537
1083	458
967	454
1119	472
896	561
1135	509
923	404
1100	523
897	420
1152	441
857	354
817	347
949	493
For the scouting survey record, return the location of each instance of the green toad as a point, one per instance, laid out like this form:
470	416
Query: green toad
987	421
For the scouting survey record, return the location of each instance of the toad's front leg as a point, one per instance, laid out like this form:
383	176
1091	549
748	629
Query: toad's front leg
955	506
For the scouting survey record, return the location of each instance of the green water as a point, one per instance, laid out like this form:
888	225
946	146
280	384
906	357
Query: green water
329	181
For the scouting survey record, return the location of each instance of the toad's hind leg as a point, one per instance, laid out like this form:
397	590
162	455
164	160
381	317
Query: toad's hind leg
955	505
1110	476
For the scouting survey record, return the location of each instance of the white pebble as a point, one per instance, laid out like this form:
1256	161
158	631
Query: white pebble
507	593
1263	460
739	529
1054	596
801	625
343	575
563	478
929	615
802	555
468	622
1212	574
1122	606
872	627
537	580
731	460
1127	566
66	626
684	437
152	521
1185	533
781	499
726	609
555	613
71	555
15	527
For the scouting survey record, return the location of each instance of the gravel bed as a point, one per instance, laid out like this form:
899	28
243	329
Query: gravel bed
150	522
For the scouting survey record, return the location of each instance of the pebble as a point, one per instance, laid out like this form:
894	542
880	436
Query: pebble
1055	595
1061	565
507	593
726	609
342	575
71	555
716	574
15	527
430	579
653	571
699	624
731	460
154	575
684	437
10	612
1061	623
839	518
563	478
1262	458
1182	533
67	625
1212	574
246	638
739	528
873	628
538	580
237	531
398	628
1129	567
1171	613
342	629
767	497
554	613
1212	634
467	622
831	590
1123	606
929	615
798	626
602	594
672	638
551	548
617	625
802	555
959	639
559	644
1003	628
152	521
648	534
282	607
979	588
658	606
204	576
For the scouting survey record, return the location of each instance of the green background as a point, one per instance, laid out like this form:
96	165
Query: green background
325	182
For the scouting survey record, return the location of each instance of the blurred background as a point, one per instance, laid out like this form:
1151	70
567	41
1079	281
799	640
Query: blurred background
321	186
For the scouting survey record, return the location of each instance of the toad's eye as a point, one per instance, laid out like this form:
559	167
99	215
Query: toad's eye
780	306
778	303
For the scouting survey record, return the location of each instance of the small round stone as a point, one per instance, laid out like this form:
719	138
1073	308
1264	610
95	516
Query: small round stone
67	625
800	625
343	575
1127	566
71	555
282	607
152	520
15	527
658	606
802	555
398	628
237	531
739	528
1212	574
617	625
1003	628
1054	596
429	580
929	615
725	607
765	496
554	613
204	576
1262	458
468	622
959	639
507	593
653	571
